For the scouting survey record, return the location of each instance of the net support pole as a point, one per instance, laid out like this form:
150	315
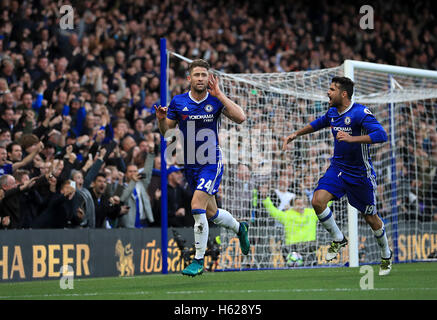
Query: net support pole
393	177
352	213
163	100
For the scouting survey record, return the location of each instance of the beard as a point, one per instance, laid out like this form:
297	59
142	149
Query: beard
198	90
334	103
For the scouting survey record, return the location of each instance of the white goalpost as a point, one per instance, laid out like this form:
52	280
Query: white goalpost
350	68
260	182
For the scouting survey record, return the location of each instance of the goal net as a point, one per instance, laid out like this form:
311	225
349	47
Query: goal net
261	183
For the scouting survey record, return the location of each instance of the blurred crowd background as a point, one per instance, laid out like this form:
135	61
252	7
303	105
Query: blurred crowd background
79	144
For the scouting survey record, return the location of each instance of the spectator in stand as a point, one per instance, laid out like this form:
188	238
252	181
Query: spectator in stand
30	200
11	213
91	169
299	220
7	119
178	195
9	168
5	137
241	200
283	196
15	153
62	208
136	197
67	87
105	207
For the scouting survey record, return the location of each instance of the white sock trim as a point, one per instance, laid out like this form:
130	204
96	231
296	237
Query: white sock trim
328	222
225	219
325	213
381	239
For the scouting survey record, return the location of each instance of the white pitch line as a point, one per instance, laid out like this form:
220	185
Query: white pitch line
300	290
74	294
212	292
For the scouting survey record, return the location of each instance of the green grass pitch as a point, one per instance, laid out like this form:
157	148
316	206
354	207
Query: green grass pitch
406	281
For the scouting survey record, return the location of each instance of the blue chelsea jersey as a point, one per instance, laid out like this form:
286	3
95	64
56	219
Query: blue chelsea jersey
6	169
199	122
356	120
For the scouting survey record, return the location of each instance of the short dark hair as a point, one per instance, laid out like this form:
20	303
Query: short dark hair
64	183
345	84
27	140
20	173
11	145
100	175
3	110
118	121
198	63
3	130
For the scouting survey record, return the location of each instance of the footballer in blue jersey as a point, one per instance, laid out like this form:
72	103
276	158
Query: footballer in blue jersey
351	172
202	147
9	168
197	115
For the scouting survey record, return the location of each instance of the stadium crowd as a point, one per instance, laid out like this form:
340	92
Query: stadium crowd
79	145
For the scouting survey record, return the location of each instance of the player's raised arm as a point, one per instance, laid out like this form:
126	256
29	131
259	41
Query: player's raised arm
232	110
37	149
305	130
164	123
